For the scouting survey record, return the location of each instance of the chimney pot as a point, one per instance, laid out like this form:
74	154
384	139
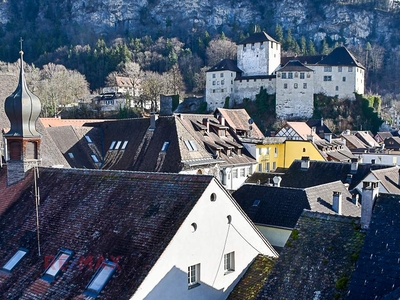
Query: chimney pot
277	181
305	162
354	165
337	202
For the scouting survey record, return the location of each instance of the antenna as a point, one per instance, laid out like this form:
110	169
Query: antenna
37	203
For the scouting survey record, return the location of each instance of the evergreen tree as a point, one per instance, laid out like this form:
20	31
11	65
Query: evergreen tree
279	33
324	47
303	46
311	48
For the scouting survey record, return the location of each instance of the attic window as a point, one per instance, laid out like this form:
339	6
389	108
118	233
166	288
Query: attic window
63	256
94	157
13	261
71	155
88	139
191	145
124	145
112	145
256	202
117	145
165	147
100	278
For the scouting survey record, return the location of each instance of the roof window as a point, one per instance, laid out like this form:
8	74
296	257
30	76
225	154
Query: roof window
100	278
94	157
89	140
256	202
191	145
63	256
165	147
117	145
13	261
124	145
71	155
112	145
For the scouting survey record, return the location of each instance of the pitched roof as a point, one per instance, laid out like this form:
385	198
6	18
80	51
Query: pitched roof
282	206
226	65
54	122
239	119
320	127
307	269
377	273
354	142
367	138
257	37
127	217
389	178
340	56
384	135
307	60
301	128
124	82
295	65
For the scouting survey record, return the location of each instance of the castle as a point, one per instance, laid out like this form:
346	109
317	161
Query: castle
294	80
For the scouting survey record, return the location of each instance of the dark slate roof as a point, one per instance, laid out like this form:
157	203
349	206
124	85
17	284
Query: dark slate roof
317	260
241	77
321	172
257	38
226	65
127	217
252	281
282	207
389	178
378	273
294	65
307	60
340	56
319	129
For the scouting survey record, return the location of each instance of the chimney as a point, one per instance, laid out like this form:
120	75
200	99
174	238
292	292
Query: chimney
222	120
277	181
322	122
305	162
153	119
337	202
354	165
370	192
310	137
165	105
354	199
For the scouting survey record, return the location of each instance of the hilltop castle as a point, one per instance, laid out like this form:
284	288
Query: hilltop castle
294	80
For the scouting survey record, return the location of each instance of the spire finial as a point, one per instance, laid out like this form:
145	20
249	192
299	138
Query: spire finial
20	42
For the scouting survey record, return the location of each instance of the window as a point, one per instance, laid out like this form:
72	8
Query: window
283	75
191	145
327	78
350	69
14	260
259	167
231	74
57	264
267	149
165	147
242	172
229	262
112	145
285	85
290	75
118	144
301	75
274	165
267	167
222	82
213	82
304	85
259	151
193	276
276	152
88	139
339	69
344	79
71	155
256	202
213	91
337	88
124	145
327	69
235	173
100	278
213	76
94	158
221	75
296	85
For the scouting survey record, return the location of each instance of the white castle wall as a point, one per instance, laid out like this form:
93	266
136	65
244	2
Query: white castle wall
249	88
219	85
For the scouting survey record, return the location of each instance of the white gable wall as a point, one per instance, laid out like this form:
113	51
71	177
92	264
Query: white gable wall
219	85
206	246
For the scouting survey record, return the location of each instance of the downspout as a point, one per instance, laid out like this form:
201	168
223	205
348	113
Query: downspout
284	156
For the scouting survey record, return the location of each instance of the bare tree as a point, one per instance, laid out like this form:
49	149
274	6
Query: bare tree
153	85
219	49
174	80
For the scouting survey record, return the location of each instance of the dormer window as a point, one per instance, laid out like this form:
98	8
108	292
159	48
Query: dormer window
13	261
100	278
63	256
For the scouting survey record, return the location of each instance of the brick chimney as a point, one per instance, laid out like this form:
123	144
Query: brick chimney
337	202
370	192
305	162
277	181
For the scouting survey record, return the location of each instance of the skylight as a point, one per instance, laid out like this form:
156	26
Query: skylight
256	202
112	145
88	139
165	147
191	145
100	278
118	144
13	261
71	155
56	265
124	145
94	157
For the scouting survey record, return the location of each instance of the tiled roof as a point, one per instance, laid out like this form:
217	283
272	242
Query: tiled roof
340	56
384	135
54	122
250	284
354	142
124	82
307	60
126	217
389	178
238	119
282	207
377	272
367	138
294	65
257	38
317	260
226	65
318	127
302	130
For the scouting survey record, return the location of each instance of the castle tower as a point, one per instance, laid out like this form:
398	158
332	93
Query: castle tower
22	141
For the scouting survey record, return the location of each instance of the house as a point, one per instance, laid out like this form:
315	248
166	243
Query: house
110	101
275	210
381	136
124	86
392	143
294	80
388	179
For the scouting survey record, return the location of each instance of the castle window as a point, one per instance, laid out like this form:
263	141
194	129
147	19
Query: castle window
344	79
308	75
231	74
213	75
296	74
283	75
290	75
285	85
339	69
350	69
262	45
296	85
301	75
252	46
304	85
222	81
231	81
213	82
213	91
255	80
337	88
276	46
272	45
327	69
221	75
327	78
